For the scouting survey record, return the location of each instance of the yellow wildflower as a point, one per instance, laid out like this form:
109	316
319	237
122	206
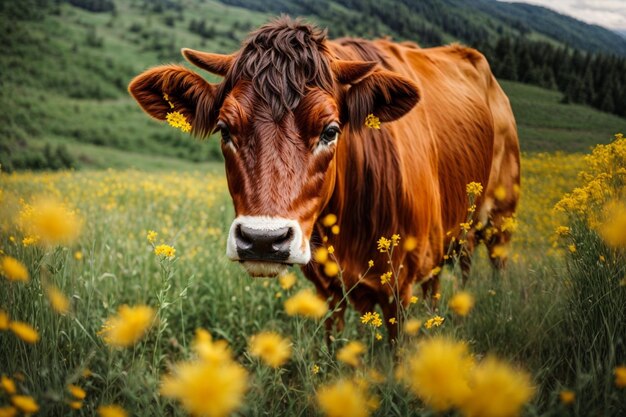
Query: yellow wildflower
474	189
385	278
335	229
128	326
329	220
499	193
438	372
13	269
395	239
151	236
8	385
384	244
278	294
462	303
4	320
111	410
378	336
30	241
500	251
562	230
410	243
8	411
271	348
331	249
306	304
75	405
78	255
572	248
165	251
567	397
413	299
212	388
351	353
208	350
51	222
331	269
178	120
435	321
25	403
393	320
315	369
370	263
57	299
345	399
86	373
497	390
24	331
287	281
372	122
372	318
466	226
412	326
76	391
437	296
320	255
620	376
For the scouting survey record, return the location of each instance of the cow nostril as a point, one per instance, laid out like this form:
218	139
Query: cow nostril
283	241
244	241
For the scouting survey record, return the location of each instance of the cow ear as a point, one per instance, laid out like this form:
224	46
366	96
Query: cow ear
173	88
214	63
349	72
384	94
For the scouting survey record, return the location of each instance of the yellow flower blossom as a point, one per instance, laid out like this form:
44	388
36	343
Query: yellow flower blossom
384	244
25	403
24	331
567	397
76	391
129	325
331	269
395	239
393	320
435	321
372	318
111	410
8	411
413	299
166	251
212	386
315	369
497	390
7	385
438	373
410	243
287	281
372	122
378	336
152	236
572	248
620	376
271	348
75	405
320	255
178	120
50	221
474	189
385	278
562	230
4	320
306	304
461	303
437	296
331	249
59	302
335	229
329	220
351	353
370	263
13	269
344	398
499	193
78	255
412	326
30	241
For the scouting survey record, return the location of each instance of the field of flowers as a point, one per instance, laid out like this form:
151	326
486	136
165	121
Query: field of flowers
116	299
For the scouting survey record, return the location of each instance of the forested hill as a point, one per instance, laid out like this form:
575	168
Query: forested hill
434	22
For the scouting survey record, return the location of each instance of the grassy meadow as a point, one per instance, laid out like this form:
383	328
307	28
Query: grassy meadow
524	316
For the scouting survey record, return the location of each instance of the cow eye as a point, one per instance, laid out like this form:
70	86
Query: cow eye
329	134
223	128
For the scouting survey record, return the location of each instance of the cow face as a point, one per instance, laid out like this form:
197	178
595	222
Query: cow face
281	111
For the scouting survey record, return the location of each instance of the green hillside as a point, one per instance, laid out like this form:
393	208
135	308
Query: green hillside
65	72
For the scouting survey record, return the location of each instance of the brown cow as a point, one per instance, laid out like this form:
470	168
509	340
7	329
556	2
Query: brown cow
291	112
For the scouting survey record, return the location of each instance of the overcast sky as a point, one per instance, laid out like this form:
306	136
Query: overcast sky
608	13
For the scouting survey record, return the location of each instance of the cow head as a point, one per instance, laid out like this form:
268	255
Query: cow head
281	110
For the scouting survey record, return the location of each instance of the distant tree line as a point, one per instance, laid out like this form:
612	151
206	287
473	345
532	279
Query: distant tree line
598	80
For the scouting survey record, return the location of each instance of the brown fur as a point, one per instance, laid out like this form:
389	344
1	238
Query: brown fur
288	81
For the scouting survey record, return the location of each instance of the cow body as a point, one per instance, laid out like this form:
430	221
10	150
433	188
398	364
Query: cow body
410	176
291	111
